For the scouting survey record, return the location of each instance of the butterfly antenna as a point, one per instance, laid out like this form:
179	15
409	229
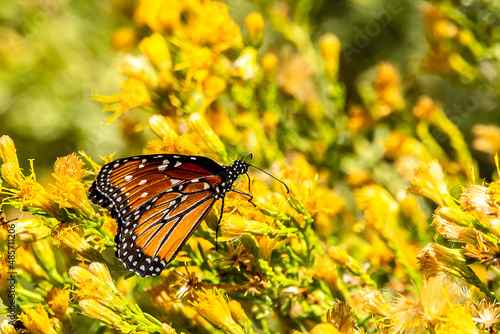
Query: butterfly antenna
248	154
274	177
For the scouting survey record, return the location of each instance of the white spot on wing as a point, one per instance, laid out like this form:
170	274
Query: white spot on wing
142	182
144	194
128	178
178	163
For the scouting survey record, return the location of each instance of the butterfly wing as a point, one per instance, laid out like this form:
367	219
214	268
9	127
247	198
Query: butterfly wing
158	202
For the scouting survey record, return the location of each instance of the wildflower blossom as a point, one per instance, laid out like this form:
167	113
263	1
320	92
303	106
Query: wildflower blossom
200	125
58	300
429	182
190	282
451	230
134	94
236	257
415	314
485	313
10	167
214	307
37	320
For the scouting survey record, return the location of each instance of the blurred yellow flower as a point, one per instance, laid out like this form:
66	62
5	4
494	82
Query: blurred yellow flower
155	48
487	138
134	94
330	52
426	109
254	24
212	26
124	39
388	88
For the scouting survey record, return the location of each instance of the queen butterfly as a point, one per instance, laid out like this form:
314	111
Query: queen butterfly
158	202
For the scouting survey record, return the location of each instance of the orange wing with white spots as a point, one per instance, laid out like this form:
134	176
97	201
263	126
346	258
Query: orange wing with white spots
158	202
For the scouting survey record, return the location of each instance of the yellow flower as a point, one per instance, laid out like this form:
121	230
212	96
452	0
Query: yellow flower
487	138
124	39
326	270
438	295
159	15
69	190
72	236
213	306
58	300
138	68
92	287
426	109
161	126
374	302
388	88
212	26
240	316
429	182
134	94
457	320
268	244
203	129
436	259
398	145
254	24
269	64
477	200
93	309
37	320
451	231
359	118
235	226
10	168
155	48
380	207
330	52
299	84
213	86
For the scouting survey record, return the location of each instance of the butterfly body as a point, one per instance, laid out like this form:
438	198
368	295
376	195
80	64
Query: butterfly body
158	202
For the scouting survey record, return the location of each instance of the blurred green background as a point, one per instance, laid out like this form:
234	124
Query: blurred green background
55	54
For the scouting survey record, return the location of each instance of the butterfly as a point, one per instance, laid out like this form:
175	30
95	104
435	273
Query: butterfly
158	202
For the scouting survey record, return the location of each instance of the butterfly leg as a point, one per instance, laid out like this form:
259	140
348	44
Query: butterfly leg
217	228
244	193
